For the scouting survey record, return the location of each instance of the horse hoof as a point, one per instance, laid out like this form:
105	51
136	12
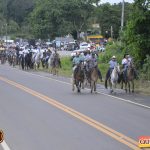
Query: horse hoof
111	91
132	91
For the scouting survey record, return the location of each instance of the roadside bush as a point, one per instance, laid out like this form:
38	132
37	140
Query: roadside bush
146	68
112	49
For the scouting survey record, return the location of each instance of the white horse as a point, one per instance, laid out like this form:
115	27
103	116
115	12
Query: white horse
114	78
36	60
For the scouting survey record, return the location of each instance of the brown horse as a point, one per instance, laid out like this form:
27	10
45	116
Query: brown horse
129	79
93	79
78	77
55	64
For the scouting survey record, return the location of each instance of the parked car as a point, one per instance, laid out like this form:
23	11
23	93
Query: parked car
85	45
75	51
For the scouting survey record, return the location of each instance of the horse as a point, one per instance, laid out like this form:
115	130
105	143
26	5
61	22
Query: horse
55	63
129	79
36	58
28	61
113	80
78	77
14	60
93	79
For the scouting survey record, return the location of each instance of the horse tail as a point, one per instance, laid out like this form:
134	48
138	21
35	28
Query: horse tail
120	76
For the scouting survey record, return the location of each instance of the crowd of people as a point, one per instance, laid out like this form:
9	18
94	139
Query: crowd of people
88	58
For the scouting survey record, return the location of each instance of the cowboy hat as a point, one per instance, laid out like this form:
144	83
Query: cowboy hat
113	57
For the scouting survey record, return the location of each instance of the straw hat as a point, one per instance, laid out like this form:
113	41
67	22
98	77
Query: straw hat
114	57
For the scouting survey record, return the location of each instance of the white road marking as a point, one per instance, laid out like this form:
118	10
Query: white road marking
122	99
5	146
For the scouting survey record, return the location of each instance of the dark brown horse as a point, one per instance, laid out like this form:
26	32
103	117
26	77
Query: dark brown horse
129	79
78	77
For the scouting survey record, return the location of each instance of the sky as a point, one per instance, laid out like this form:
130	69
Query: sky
116	1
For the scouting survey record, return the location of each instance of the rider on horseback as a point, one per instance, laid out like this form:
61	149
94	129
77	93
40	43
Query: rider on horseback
91	63
112	64
125	64
76	61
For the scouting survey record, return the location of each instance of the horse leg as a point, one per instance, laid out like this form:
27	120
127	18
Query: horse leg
121	84
129	87
132	86
82	85
95	87
38	65
126	86
57	71
92	86
113	85
73	82
78	86
106	83
110	84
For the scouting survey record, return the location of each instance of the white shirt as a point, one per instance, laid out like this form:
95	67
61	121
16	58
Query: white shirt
124	61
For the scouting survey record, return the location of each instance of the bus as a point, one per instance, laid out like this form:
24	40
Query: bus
97	39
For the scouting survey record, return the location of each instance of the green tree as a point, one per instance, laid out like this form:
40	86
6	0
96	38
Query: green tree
60	17
78	12
108	15
137	33
46	19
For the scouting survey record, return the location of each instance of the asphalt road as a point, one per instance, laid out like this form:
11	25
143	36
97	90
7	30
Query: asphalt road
33	118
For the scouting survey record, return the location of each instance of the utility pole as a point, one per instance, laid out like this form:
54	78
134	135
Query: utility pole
122	16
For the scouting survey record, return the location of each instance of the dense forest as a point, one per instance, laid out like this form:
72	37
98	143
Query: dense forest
49	18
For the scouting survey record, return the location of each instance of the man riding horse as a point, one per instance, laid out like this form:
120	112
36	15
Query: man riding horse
112	64
78	72
55	62
91	62
76	61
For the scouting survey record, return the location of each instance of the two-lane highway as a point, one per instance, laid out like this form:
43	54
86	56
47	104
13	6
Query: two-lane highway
42	113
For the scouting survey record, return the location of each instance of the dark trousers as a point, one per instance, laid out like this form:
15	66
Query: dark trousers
108	73
99	74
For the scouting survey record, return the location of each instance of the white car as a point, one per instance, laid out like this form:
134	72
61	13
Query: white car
85	45
75	51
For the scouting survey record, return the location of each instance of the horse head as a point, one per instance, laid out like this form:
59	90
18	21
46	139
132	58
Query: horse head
116	69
